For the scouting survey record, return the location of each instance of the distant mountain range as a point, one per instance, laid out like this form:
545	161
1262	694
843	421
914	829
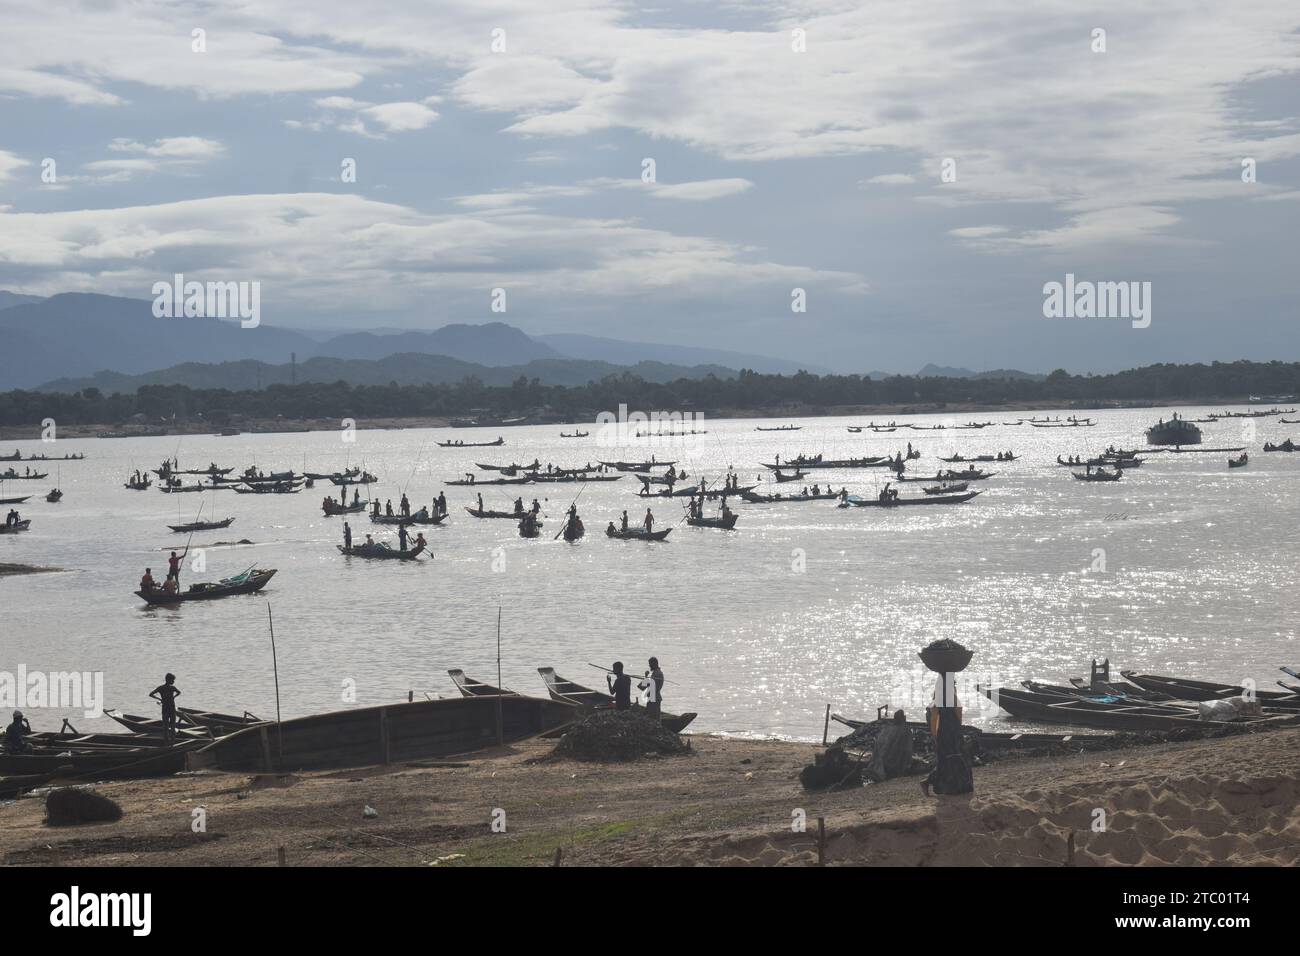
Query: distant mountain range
77	340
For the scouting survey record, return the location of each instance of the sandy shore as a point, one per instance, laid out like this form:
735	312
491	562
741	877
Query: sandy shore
731	802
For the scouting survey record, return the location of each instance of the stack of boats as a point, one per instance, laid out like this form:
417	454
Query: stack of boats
1143	703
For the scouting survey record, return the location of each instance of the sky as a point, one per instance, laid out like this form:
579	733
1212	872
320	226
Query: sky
920	170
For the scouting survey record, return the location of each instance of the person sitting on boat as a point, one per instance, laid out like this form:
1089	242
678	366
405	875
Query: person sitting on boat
611	530
166	694
347	536
817	490
16	733
805	491
420	544
620	687
147	583
519	505
726	512
370	541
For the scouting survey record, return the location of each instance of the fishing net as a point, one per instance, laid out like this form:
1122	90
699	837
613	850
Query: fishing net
607	736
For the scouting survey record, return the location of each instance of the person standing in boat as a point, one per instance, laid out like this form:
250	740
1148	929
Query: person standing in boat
374	508
388	507
649	521
166	694
405	506
653	685
356	497
620	687
347	536
401	537
174	569
624	527
442	502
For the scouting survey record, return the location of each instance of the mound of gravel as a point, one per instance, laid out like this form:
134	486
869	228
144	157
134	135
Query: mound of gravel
608	736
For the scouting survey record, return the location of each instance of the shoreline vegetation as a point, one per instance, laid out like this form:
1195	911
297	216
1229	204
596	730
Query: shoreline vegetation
10	568
183	410
729	802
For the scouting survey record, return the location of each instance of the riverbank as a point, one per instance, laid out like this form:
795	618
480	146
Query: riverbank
729	802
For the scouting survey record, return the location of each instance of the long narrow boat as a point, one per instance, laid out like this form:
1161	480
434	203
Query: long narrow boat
14	501
575	435
778	498
380	551
856	501
779	476
778	428
184	489
469	687
246	583
1098	475
270	488
1125	716
333	508
981	458
343	480
947	489
1000	740
637	534
191	719
723	524
12	475
722	491
688	492
203	525
418	518
543	478
571	693
101	763
638	465
1199	690
386	734
874	461
471	444
490	481
488	513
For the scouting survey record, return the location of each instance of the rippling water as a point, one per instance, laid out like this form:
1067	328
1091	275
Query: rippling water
1200	573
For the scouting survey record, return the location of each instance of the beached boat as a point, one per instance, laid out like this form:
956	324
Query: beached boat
190	720
988	740
203	525
1131	717
571	693
95	761
637	534
856	501
387	734
1199	690
250	581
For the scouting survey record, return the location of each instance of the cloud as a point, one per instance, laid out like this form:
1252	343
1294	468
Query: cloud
977	232
890	179
10	163
176	154
350	115
332	252
698	191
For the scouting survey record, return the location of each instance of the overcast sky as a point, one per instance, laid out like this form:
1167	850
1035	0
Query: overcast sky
775	168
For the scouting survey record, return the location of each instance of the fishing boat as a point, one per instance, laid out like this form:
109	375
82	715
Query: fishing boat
14	501
332	508
780	428
529	529
687	492
1239	462
575	435
379	550
1099	475
780	476
1176	431
1124	463
638	465
466	482
192	719
988	740
947	489
67	759
1199	690
981	458
637	534
875	461
54	496
857	501
756	498
254	579
469	687
203	525
141	485
183	489
270	488
561	478
1287	446
344	480
570	693
386	734
573	529
421	517
722	522
488	513
668	478
22	525
12	475
1122	716
471	444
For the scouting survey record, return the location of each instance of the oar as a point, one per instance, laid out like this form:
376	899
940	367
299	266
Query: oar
571	504
602	667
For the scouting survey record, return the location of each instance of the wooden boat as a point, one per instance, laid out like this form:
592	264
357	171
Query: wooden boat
14	501
1239	462
392	733
946	489
190	720
779	428
379	550
856	501
777	498
55	496
1099	475
203	525
688	492
274	488
487	513
722	491
875	461
333	508
572	531
246	583
12	475
16	785
797	476
1101	461
68	759
638	465
22	525
471	444
184	489
142	485
1199	690
529	529
959	458
664	479
949	475
637	534
1287	446
575	435
725	524
571	693
460	483
354	479
543	478
469	687
1133	718
422	519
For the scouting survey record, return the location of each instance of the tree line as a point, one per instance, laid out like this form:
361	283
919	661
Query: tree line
749	390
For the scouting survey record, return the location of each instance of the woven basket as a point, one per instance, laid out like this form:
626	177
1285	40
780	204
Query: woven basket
946	657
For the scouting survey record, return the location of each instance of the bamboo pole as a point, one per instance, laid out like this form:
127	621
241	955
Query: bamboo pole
826	726
501	730
275	669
